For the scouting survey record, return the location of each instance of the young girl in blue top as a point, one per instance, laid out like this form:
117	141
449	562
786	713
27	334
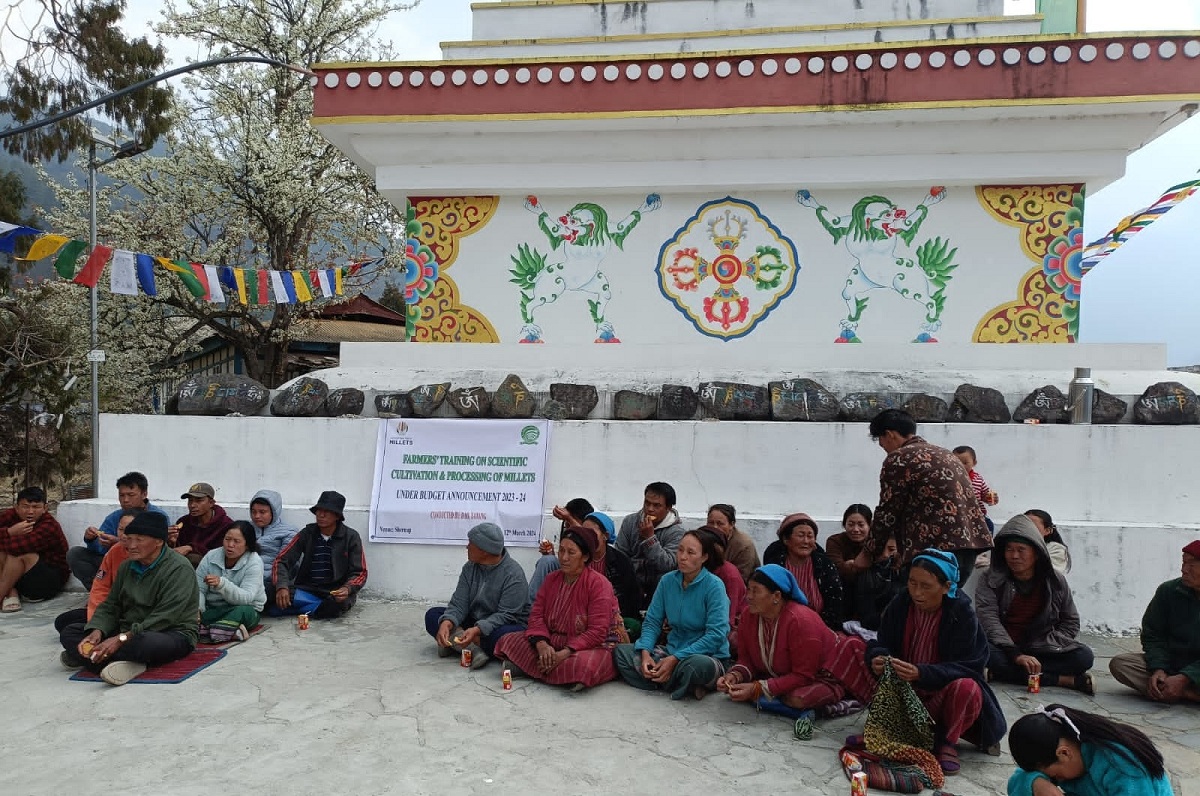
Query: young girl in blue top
1064	751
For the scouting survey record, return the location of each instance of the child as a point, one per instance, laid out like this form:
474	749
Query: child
876	587
1064	751
984	493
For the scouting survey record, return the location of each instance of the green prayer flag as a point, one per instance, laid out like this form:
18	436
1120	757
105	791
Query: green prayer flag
67	255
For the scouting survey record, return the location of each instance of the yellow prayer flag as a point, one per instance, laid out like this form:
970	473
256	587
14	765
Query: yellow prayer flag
45	246
239	276
302	291
337	281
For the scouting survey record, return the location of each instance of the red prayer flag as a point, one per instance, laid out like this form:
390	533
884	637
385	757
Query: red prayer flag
202	278
264	287
94	266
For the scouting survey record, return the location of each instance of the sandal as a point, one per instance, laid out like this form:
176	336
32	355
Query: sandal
10	605
1085	683
947	757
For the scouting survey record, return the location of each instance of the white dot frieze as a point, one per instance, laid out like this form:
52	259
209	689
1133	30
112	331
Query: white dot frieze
437	78
545	75
937	59
1192	48
655	71
1037	55
840	64
679	71
962	58
987	57
396	79
501	76
374	80
889	60
523	75
588	73
770	67
566	74
816	65
1062	54
1088	53
1167	50
700	70
353	80
1141	51
479	77
633	71
912	60
1114	51
331	80
793	66
611	72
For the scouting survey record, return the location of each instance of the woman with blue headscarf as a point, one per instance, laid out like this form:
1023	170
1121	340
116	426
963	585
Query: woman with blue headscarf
787	654
935	642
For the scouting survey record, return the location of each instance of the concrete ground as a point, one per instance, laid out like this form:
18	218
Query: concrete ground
363	706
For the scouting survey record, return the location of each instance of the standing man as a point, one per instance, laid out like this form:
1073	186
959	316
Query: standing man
1168	667
149	617
203	527
925	497
33	552
333	566
651	536
132	493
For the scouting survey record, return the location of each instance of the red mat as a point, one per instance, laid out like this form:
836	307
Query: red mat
207	643
173	672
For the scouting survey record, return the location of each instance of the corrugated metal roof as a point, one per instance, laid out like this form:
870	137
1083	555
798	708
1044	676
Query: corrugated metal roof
335	331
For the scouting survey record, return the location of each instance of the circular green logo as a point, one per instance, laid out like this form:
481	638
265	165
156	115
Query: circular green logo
530	435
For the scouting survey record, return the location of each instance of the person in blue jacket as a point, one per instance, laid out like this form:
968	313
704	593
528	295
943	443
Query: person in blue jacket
272	532
84	561
1059	750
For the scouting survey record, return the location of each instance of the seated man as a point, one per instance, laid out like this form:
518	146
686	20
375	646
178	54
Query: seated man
149	617
332	565
102	584
203	527
132	489
651	536
33	552
1168	668
491	599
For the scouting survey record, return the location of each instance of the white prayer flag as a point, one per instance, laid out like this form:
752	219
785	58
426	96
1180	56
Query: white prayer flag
323	281
214	285
281	295
122	275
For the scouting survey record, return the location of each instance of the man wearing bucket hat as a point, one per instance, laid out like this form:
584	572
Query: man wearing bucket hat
332	565
491	599
1168	667
149	617
203	527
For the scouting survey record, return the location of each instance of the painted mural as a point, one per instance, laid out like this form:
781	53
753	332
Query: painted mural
873	232
580	240
438	225
727	267
1050	221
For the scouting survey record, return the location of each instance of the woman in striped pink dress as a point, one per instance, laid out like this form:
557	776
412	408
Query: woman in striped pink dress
564	642
935	642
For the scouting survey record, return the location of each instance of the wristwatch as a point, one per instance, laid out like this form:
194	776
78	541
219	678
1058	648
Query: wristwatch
123	638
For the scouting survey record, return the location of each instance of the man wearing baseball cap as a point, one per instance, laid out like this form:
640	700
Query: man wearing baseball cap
1168	667
203	527
149	617
332	565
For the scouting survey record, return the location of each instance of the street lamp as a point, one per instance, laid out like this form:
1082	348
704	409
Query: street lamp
95	355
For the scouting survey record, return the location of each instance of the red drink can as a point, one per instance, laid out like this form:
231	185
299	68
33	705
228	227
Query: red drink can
506	679
302	621
851	762
465	662
1035	684
858	783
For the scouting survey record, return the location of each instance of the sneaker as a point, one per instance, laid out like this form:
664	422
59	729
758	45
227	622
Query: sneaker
10	605
241	634
479	658
71	660
121	672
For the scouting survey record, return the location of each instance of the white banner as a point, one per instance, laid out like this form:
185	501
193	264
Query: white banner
436	479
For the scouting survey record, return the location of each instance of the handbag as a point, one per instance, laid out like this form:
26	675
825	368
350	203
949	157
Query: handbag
899	727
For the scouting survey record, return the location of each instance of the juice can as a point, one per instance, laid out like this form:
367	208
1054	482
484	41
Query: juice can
506	679
302	621
851	762
858	783
465	661
1035	684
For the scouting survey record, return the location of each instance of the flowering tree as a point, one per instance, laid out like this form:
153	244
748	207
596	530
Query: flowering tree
248	182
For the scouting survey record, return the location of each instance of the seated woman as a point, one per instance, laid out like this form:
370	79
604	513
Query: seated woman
1062	750
845	549
607	560
1027	611
692	601
875	589
230	578
735	587
739	547
935	643
787	654
569	622
797	551
1060	557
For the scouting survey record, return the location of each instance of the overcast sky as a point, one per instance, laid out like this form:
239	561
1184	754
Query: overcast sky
1143	293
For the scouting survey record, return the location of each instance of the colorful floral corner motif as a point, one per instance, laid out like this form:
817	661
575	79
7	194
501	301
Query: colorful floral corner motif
435	229
724	292
1046	309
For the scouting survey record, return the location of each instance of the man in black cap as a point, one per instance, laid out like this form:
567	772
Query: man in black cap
333	566
203	527
149	617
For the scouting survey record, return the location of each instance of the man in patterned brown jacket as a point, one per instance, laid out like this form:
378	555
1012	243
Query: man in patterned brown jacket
925	496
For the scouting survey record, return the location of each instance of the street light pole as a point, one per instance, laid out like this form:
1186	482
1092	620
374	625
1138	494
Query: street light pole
92	357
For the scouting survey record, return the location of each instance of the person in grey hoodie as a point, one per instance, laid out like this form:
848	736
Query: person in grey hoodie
266	512
490	601
651	536
1026	609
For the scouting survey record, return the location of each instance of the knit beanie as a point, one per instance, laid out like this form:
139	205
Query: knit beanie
488	537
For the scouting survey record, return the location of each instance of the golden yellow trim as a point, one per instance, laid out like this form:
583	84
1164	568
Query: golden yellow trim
881	106
711	34
993	41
